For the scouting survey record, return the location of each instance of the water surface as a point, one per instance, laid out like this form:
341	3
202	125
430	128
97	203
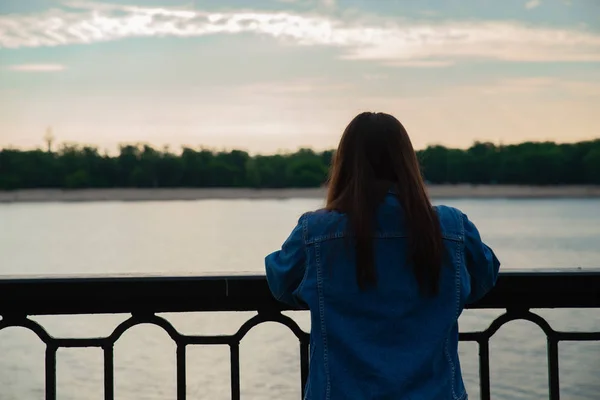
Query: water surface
233	236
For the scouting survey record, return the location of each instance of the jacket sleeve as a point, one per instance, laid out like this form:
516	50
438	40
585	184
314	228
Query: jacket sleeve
285	268
482	265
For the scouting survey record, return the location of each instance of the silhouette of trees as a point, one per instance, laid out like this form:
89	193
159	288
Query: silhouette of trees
73	166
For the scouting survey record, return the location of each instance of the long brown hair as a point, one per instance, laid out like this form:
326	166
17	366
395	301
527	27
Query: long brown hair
375	154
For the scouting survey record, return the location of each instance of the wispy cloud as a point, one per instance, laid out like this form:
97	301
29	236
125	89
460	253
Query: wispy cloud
541	85
295	87
420	64
329	3
291	1
375	77
37	67
406	44
429	13
551	85
531	4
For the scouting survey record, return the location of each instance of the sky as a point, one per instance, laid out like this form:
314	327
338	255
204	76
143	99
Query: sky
274	75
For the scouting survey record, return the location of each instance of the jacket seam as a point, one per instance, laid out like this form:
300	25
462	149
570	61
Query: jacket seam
304	236
459	257
340	235
449	359
322	321
308	387
457	314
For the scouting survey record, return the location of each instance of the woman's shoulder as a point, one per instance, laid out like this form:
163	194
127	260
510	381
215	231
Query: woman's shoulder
321	215
451	219
323	224
444	210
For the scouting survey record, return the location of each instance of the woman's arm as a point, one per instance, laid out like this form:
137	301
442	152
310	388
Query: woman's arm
481	263
285	268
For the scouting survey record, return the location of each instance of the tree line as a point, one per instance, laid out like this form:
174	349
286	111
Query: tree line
142	166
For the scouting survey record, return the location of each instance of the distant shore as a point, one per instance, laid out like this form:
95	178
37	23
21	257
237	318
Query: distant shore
188	194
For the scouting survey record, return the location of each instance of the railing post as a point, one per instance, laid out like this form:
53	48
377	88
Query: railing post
51	371
553	371
181	372
109	379
484	369
235	370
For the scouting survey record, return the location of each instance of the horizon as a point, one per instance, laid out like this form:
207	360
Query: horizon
177	150
279	75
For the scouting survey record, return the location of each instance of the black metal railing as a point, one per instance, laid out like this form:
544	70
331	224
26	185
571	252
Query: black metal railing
144	296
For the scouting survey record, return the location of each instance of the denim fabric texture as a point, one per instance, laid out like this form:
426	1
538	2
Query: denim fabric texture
388	342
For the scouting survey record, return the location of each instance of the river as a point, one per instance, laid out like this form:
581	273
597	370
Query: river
233	236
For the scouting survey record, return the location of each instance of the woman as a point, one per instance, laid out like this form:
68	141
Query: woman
384	274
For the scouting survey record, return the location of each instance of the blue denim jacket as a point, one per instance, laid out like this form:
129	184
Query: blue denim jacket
389	342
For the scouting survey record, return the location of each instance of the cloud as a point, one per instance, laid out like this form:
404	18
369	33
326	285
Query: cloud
421	64
531	4
328	3
579	88
429	13
375	77
541	86
37	67
293	87
404	44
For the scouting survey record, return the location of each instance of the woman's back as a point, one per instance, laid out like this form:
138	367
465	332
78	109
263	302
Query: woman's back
389	342
384	274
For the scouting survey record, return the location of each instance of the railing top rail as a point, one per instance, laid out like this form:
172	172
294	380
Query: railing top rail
219	275
94	294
